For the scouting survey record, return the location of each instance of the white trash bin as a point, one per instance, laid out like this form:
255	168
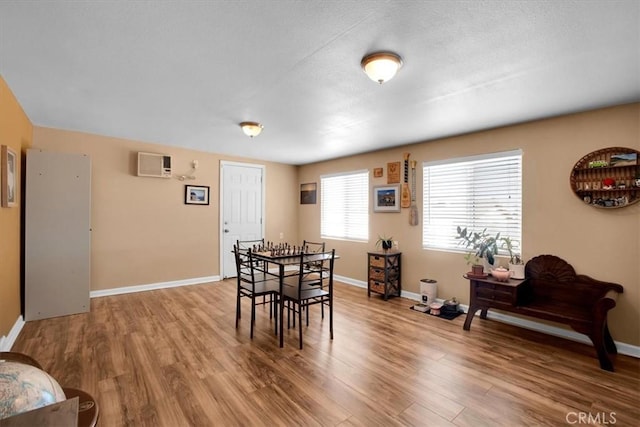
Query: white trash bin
428	291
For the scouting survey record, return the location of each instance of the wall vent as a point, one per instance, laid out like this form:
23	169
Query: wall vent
154	165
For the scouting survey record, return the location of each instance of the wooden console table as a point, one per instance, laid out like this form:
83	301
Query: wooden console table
487	292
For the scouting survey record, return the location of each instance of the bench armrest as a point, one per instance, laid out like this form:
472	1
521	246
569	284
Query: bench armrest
606	303
590	281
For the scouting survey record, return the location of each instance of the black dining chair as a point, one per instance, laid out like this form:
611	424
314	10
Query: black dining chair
253	245
244	245
254	282
311	248
310	287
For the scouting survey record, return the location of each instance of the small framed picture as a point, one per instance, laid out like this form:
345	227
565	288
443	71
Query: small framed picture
386	198
196	195
308	193
625	159
378	172
393	172
8	178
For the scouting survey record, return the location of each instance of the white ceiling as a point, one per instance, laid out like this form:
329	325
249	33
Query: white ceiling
186	73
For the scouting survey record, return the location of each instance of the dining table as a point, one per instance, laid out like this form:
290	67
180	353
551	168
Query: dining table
282	261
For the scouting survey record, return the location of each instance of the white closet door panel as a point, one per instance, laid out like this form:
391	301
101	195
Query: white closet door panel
57	234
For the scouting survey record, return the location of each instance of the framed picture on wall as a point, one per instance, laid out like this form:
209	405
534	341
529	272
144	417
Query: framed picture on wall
196	195
386	198
393	172
8	176
308	193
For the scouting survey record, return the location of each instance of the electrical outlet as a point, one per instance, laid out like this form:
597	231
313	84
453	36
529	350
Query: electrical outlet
195	164
281	235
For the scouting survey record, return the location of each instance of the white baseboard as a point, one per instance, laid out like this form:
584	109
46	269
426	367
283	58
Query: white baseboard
6	342
349	281
153	286
623	348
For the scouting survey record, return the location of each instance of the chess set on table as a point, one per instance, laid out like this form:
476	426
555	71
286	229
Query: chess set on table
271	249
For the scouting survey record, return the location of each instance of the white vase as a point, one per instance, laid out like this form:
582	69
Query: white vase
518	271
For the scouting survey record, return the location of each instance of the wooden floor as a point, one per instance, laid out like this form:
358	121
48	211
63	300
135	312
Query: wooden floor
173	357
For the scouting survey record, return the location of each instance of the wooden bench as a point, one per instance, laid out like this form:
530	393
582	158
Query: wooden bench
552	291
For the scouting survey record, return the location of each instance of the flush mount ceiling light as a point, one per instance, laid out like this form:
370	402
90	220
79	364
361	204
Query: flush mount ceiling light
251	129
381	66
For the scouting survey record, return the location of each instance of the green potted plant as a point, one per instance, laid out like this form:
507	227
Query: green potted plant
515	261
384	242
481	245
477	269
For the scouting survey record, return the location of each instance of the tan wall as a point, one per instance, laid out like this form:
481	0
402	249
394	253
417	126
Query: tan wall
128	212
603	243
143	233
15	132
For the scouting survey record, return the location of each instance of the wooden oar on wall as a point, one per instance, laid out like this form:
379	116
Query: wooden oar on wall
405	194
413	213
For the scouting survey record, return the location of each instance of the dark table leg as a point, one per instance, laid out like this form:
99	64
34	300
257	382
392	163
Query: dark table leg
281	305
470	314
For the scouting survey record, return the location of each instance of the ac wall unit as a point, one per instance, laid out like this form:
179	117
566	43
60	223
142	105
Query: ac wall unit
155	165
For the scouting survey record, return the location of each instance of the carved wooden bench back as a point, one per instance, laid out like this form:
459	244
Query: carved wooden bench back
555	279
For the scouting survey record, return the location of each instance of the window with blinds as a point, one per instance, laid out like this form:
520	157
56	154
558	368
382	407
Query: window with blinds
476	192
344	200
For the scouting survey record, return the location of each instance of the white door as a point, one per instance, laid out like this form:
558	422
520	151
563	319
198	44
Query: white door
242	209
57	234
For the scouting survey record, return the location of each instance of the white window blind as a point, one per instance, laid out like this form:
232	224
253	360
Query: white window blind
345	206
476	192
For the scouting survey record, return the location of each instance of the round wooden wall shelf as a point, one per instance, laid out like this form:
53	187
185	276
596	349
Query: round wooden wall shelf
608	178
